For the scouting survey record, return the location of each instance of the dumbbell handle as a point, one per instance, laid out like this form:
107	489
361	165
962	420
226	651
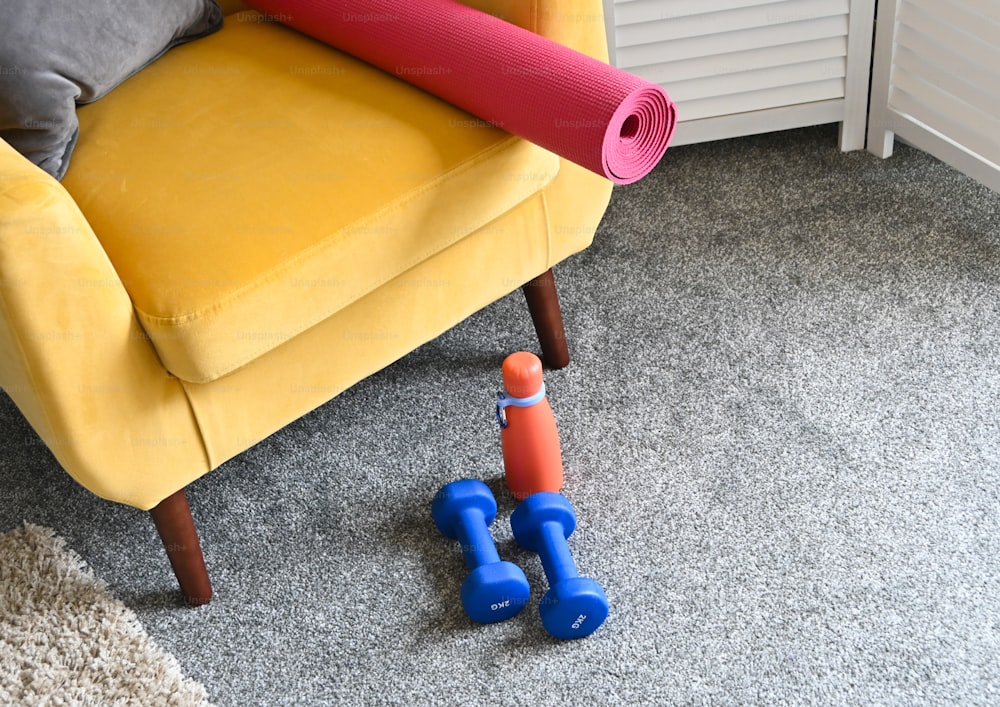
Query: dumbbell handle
474	535
554	553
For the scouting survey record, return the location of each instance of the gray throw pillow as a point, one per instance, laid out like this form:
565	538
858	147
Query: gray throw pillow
55	54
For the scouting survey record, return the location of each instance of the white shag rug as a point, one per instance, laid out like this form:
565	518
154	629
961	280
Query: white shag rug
64	639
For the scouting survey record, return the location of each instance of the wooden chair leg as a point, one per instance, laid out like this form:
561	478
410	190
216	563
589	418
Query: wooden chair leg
172	517
543	303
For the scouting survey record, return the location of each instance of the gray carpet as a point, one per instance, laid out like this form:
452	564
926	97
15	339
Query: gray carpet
780	430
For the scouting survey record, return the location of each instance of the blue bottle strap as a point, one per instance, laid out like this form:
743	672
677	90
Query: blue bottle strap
504	401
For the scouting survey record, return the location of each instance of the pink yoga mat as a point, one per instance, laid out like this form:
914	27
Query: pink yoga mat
605	119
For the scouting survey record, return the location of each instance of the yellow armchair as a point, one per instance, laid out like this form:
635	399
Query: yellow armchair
249	226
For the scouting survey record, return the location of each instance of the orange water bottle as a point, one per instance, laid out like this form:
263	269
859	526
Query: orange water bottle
532	458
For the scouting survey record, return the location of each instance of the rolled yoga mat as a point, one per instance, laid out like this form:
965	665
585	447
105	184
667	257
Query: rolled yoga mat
598	116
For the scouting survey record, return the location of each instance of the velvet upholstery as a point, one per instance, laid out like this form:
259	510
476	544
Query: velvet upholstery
136	410
327	221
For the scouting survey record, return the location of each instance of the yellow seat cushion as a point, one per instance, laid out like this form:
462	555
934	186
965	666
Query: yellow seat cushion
253	183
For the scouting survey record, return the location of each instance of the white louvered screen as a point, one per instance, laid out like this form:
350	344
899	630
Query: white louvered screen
936	82
737	67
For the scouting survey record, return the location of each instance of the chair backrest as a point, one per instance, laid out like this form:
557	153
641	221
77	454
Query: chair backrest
576	23
231	6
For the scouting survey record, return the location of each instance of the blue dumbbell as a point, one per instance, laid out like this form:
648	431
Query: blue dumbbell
574	606
494	590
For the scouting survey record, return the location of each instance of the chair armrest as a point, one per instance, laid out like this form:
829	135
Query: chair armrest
72	354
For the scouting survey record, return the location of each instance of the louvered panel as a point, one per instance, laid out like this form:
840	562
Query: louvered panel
749	81
671	73
965	85
936	44
762	100
917	26
769	16
728	59
629	12
975	20
935	107
936	82
974	66
728	42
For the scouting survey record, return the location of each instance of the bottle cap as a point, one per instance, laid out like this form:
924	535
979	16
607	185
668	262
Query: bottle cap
522	374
